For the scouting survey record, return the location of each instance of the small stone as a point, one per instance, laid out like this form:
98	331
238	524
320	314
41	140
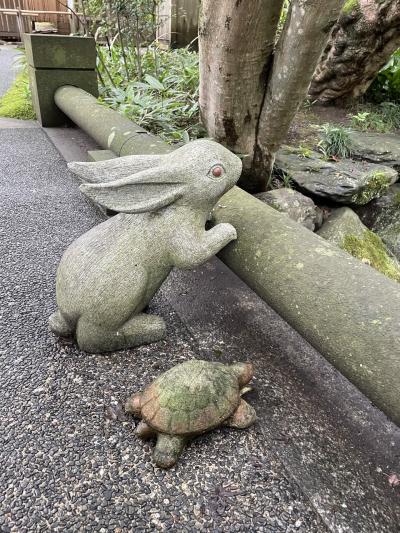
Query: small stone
297	206
107	495
344	182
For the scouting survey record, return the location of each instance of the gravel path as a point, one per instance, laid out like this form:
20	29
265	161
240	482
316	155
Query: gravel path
69	459
8	66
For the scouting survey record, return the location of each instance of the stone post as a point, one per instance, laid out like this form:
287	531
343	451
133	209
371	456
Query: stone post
54	61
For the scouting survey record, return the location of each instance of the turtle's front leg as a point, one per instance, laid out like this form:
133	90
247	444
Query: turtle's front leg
144	431
168	449
243	417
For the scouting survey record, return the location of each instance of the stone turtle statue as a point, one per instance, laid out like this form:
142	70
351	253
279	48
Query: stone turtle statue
108	275
188	400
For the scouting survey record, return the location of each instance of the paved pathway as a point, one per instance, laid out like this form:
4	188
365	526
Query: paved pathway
69	460
8	66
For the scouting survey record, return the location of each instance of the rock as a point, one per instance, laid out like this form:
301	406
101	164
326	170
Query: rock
382	216
345	182
343	221
377	147
297	206
345	229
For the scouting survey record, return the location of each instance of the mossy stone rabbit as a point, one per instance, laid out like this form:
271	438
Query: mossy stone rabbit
109	275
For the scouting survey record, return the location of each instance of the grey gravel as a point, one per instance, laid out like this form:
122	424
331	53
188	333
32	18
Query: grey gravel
8	66
315	461
65	464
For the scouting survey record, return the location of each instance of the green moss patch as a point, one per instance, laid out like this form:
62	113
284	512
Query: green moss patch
17	102
376	186
349	6
396	199
371	250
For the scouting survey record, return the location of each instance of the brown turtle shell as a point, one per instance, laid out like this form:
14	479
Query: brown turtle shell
191	398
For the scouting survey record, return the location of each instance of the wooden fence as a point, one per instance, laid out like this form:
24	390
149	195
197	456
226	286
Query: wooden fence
177	22
12	25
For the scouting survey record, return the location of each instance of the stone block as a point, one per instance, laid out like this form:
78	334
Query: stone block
60	51
44	84
55	61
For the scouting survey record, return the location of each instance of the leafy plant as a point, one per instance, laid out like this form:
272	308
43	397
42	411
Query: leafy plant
304	152
383	118
335	142
386	86
365	121
279	179
165	98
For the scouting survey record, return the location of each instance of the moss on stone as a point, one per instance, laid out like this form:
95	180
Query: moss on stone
17	102
376	186
349	6
396	199
371	250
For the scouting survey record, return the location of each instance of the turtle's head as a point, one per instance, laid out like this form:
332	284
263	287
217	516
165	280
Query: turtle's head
132	405
244	372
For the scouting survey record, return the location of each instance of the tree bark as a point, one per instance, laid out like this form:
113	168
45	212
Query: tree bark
236	41
248	94
362	41
304	36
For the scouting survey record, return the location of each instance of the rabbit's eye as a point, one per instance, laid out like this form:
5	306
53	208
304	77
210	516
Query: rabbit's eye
217	171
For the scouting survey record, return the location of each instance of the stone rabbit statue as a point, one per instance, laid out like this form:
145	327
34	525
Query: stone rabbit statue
109	275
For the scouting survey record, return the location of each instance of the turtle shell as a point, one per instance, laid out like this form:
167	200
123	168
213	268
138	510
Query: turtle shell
191	398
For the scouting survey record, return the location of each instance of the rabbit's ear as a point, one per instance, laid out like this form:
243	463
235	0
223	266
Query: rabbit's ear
144	191
112	169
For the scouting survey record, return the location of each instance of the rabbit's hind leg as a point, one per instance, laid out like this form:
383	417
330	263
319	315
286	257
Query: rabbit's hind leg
140	329
60	326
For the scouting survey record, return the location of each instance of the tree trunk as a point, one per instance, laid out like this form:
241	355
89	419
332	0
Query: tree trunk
362	41
305	34
236	41
248	97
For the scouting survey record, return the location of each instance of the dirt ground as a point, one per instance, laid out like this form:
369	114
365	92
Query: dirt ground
304	128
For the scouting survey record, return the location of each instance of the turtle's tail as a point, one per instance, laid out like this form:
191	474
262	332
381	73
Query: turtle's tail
60	326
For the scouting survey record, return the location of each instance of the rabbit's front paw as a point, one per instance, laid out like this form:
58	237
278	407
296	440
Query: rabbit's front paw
227	231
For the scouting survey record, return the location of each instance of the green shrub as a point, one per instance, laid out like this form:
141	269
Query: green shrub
336	141
164	99
17	102
386	86
382	119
